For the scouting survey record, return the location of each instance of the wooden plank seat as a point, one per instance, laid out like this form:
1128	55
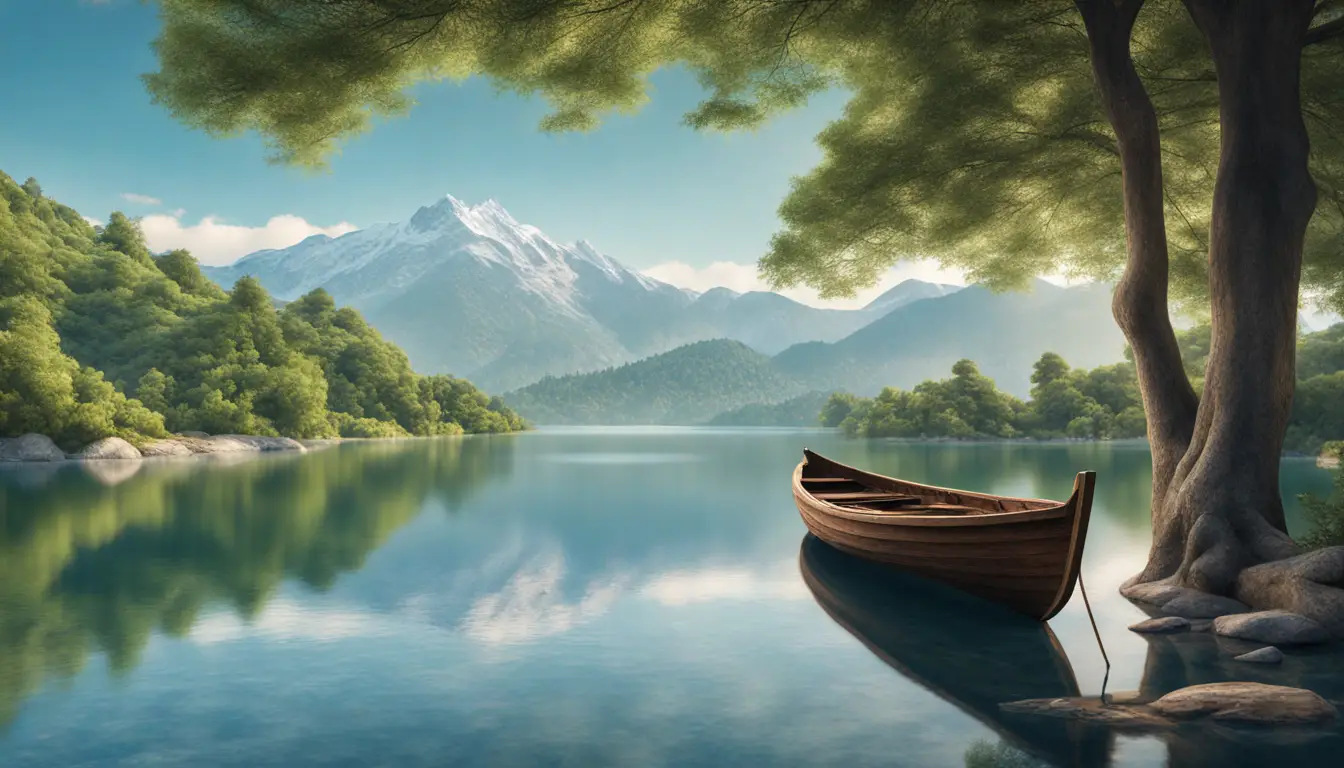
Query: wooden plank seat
840	497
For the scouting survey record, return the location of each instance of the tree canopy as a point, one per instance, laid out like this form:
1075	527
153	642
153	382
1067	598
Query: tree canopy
974	133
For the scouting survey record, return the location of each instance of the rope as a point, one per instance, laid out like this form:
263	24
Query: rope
1083	588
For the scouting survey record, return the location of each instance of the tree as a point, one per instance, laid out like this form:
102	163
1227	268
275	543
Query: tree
976	134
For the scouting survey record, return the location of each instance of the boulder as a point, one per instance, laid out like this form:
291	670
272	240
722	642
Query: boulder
1182	601
109	448
1267	655
31	447
265	444
166	448
1273	627
1161	625
1246	703
1202	605
1308	585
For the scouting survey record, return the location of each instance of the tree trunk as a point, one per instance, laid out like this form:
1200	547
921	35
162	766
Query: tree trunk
1141	300
1216	503
1223	511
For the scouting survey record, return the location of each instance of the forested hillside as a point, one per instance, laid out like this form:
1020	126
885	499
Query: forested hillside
688	385
1100	403
800	411
99	337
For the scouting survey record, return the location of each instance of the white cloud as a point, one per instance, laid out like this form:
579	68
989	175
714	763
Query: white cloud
132	197
744	277
93	221
286	620
710	584
214	242
531	606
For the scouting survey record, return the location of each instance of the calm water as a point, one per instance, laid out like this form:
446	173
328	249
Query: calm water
563	598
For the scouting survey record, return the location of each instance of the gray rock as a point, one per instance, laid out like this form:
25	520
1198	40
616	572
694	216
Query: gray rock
1267	655
109	448
31	447
1161	625
1248	703
1154	594
1181	601
1273	627
1193	604
166	448
1201	625
265	444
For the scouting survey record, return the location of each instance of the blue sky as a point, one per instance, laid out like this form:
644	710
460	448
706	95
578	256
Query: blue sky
694	208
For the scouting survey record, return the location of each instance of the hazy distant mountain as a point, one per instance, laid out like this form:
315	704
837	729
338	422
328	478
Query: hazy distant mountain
688	385
1004	333
468	290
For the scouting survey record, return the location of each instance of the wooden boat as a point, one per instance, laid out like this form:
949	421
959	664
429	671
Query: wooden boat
1024	553
969	653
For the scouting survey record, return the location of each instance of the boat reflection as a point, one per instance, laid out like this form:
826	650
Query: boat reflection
969	652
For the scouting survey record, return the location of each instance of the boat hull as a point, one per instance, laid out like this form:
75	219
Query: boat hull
1023	553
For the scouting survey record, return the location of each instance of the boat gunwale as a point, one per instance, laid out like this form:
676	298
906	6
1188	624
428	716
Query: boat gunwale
1055	510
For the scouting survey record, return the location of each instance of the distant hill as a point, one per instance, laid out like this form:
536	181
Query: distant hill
688	385
800	411
470	291
1004	333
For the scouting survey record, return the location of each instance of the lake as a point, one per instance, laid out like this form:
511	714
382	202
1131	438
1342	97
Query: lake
570	597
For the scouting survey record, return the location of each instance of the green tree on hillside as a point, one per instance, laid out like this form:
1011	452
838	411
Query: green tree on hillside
87	316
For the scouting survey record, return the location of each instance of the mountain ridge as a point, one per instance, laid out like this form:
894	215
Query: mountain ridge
469	290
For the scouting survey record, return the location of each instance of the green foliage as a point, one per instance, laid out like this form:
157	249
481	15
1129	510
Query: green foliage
983	754
87	316
1326	516
687	385
974	134
838	407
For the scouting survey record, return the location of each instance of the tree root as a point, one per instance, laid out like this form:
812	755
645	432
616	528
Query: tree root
1311	584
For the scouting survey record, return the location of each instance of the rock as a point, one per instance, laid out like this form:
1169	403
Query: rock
1154	594
1267	655
1246	703
1327	461
109	448
1181	601
1308	585
30	447
1201	625
1202	605
166	448
1091	710
1161	625
1273	627
265	444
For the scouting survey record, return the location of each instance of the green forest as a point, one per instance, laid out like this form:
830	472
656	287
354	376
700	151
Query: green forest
800	411
1098	404
99	337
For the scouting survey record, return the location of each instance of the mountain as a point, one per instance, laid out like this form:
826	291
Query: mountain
800	411
688	385
1004	333
469	290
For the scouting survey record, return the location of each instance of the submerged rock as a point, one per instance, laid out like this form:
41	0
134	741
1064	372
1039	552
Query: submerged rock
1273	627
1267	655
1228	703
1161	625
31	447
1249	703
109	448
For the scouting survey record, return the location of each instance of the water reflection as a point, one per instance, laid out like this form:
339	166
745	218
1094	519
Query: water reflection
976	655
968	652
90	566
